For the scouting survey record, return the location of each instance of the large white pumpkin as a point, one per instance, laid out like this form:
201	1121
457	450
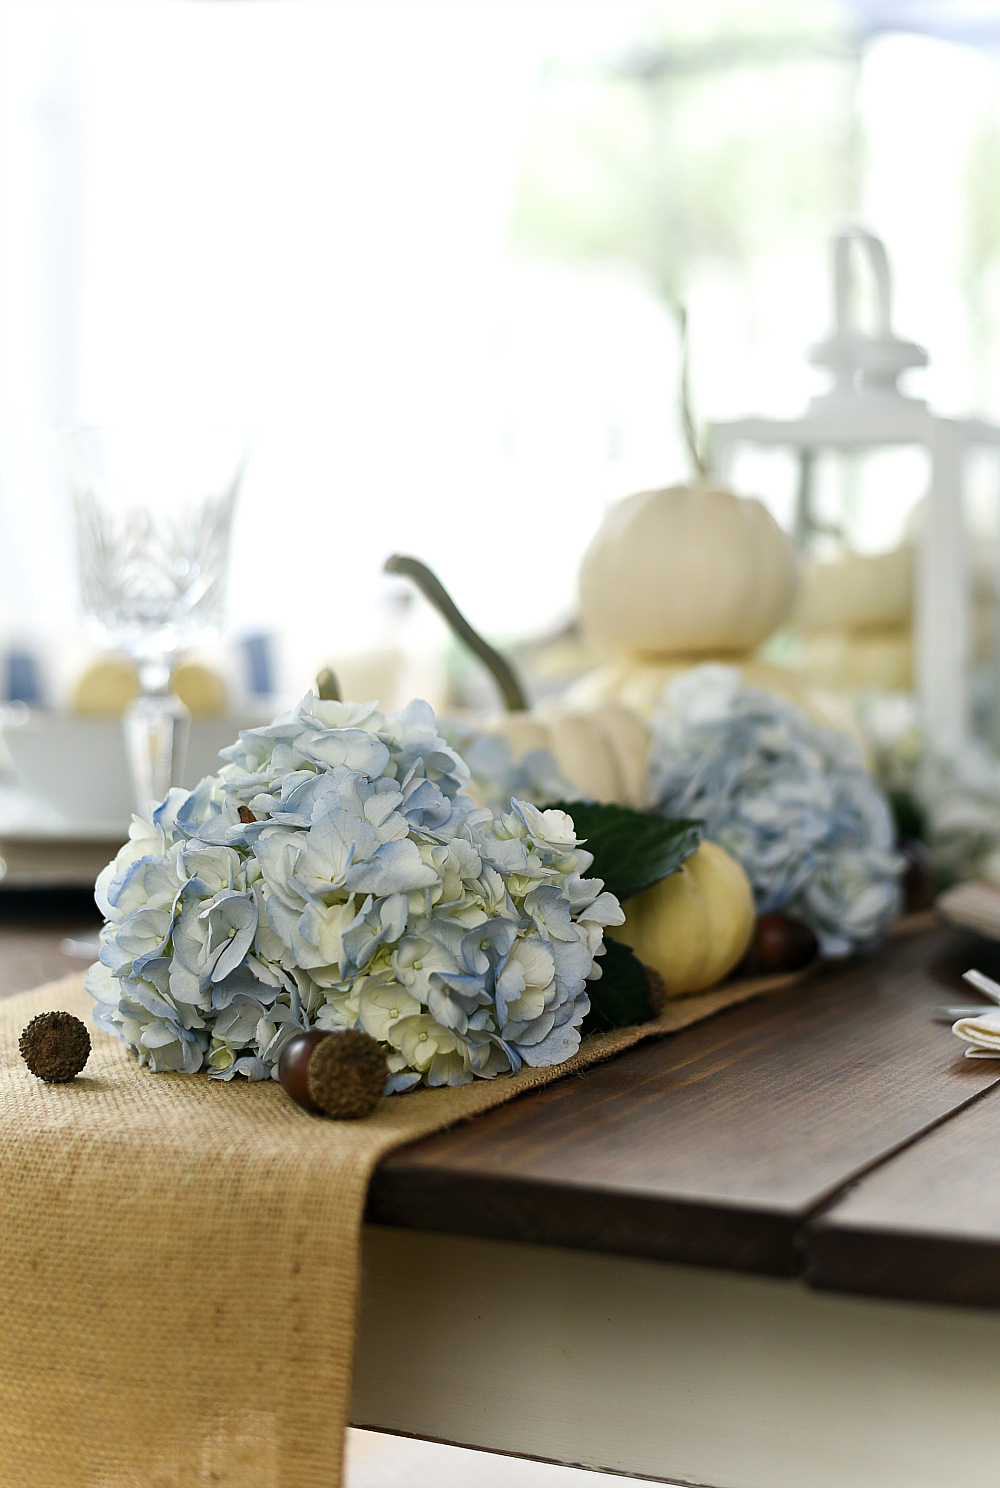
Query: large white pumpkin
690	570
640	686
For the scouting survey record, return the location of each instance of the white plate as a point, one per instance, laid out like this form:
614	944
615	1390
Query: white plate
53	862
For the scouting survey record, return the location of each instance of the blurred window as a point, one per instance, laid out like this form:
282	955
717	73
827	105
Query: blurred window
430	252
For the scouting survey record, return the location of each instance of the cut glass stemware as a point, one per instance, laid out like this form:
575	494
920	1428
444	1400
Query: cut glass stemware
153	567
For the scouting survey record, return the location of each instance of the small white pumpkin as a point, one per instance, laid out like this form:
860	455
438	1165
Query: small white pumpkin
110	684
858	592
602	749
852	660
106	688
694	926
691	570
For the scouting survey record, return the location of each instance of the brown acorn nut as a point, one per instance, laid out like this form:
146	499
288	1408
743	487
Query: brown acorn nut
55	1046
656	991
780	943
918	881
335	1074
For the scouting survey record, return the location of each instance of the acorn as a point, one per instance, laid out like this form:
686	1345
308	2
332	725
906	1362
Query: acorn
656	990
339	1074
918	881
780	943
55	1047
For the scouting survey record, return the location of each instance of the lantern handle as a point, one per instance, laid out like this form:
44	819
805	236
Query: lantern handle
842	277
863	362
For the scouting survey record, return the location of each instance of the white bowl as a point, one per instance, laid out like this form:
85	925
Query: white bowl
78	769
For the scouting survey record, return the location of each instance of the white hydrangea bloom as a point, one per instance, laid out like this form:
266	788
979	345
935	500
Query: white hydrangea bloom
792	802
333	874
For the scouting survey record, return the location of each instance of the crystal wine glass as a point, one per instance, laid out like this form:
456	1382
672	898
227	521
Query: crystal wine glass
153	546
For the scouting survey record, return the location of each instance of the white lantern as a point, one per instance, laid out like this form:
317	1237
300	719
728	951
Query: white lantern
865	410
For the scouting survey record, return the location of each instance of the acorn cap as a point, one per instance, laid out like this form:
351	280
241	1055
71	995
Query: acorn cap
55	1046
347	1074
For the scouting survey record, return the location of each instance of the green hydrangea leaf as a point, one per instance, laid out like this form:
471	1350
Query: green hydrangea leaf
620	998
631	849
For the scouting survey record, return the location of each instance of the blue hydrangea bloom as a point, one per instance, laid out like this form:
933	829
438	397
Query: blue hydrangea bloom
792	802
334	874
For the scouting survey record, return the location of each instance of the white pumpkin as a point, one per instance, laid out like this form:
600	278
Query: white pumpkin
602	749
685	575
690	570
861	659
855	620
108	686
694	926
639	686
857	592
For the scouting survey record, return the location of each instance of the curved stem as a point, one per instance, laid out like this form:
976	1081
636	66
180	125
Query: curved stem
431	588
687	419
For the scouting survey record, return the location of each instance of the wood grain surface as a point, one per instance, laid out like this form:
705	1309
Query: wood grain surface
713	1146
832	1129
926	1223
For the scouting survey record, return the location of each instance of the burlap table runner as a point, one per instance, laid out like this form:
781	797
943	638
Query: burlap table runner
179	1261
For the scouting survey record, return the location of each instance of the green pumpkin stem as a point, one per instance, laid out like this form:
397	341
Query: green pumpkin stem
687	418
432	589
327	686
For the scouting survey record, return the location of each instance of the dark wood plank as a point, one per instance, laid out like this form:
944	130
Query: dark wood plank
713	1146
32	923
924	1225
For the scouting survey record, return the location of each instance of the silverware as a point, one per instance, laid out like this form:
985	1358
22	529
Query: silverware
86	948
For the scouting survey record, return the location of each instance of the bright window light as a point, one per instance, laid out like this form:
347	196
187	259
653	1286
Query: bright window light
319	225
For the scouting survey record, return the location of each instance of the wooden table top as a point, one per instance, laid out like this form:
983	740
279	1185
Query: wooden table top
832	1130
32	923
